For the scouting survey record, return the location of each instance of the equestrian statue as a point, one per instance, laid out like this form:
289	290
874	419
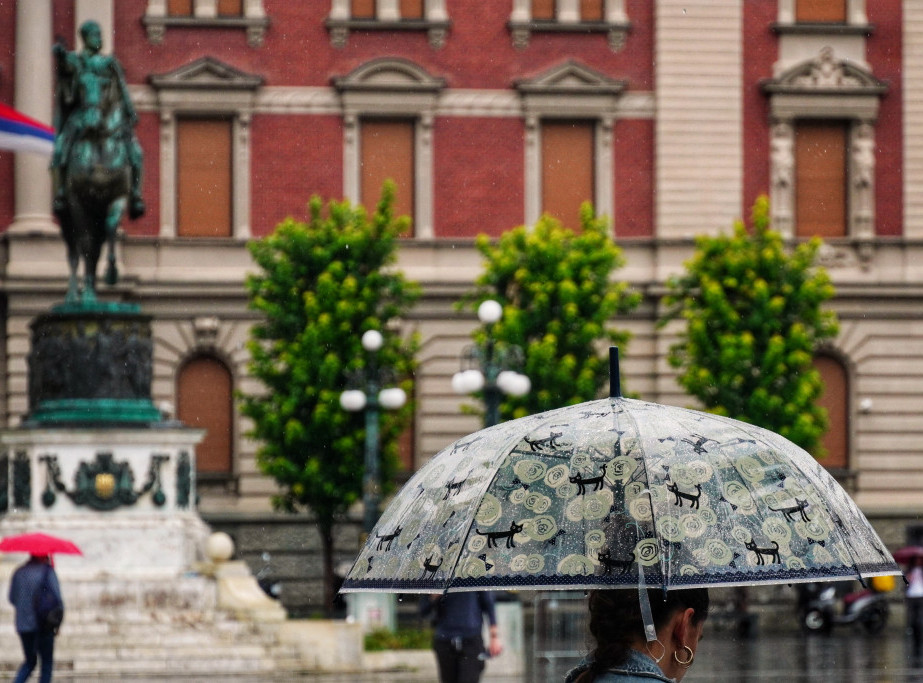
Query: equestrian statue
97	161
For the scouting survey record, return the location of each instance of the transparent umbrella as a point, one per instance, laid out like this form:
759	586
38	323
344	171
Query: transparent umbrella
618	493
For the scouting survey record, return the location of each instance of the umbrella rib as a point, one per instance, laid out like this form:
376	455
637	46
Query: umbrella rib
647	479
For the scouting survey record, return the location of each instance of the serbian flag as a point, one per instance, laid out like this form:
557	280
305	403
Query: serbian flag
21	134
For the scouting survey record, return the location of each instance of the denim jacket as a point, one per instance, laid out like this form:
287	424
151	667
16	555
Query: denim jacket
638	667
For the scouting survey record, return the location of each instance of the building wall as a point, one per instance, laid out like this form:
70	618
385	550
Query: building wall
690	152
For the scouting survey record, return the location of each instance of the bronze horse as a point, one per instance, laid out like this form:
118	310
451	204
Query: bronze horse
96	181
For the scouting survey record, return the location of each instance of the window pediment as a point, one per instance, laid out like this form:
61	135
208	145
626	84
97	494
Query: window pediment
206	73
570	78
826	74
389	75
570	90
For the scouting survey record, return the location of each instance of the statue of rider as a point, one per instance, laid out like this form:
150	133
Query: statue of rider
71	117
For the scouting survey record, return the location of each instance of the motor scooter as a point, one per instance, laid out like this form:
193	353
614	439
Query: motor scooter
819	608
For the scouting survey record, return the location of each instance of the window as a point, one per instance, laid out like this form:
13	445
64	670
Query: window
584	16
820	178
592	10
388	108
205	401
205	149
820	11
248	15
411	9
835	399
387	153
822	148
569	113
362	9
567	169
543	10
230	8
179	8
388	15
203	178
836	17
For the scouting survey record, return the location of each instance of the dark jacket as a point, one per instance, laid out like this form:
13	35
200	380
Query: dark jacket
25	584
460	615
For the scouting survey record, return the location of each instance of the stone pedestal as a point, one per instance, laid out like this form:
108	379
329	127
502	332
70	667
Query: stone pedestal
125	496
94	462
91	364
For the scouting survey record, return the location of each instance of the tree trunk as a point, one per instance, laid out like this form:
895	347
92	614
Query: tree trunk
330	584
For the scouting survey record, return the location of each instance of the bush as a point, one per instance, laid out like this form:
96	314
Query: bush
402	639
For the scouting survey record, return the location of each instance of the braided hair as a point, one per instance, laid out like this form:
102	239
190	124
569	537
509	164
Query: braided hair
615	621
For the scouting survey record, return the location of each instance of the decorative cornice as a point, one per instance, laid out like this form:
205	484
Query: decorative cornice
825	74
206	73
319	101
570	78
389	74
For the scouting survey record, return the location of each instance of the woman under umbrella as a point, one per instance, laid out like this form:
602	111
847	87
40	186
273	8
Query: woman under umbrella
623	653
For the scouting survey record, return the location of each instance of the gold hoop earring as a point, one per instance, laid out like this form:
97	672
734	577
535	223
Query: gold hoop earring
687	662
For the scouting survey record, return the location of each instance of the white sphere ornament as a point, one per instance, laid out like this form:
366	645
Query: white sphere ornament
472	380
352	400
514	383
458	383
219	547
392	398
372	340
505	380
490	311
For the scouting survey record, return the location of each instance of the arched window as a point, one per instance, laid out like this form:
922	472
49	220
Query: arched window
835	399
205	401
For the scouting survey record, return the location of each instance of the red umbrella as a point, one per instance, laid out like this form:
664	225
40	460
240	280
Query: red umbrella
38	544
908	553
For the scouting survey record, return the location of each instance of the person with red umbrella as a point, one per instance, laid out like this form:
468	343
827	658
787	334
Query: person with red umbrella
28	587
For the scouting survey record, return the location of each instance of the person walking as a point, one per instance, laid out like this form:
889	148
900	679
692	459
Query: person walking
458	641
25	586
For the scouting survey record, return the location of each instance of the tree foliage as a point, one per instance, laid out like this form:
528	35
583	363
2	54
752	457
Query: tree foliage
320	285
754	319
559	299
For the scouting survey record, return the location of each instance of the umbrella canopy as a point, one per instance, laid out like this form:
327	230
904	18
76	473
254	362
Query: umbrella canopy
38	544
908	553
618	493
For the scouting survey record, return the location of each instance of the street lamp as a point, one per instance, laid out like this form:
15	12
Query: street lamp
487	369
370	398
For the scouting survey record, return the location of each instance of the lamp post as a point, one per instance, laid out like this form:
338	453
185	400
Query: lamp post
370	398
489	370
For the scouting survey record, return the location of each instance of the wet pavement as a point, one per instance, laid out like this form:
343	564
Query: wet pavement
843	657
846	657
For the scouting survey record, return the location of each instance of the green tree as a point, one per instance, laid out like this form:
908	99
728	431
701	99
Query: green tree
321	284
559	299
754	319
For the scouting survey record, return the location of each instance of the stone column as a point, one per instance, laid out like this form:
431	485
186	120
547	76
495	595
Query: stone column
33	96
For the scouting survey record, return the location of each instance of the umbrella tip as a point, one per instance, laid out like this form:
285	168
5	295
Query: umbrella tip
615	388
